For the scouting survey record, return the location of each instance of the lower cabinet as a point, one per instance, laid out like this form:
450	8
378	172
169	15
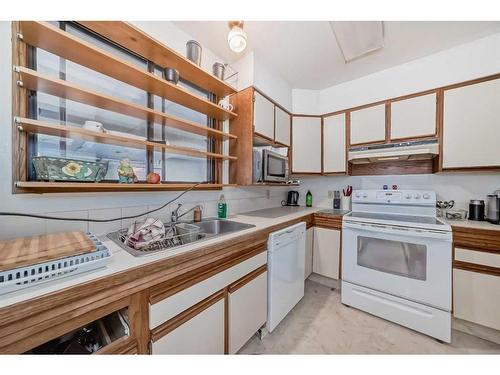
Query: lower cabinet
326	252
214	316
247	311
201	334
475	294
309	252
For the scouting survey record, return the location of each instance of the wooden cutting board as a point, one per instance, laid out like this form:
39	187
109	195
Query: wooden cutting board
27	251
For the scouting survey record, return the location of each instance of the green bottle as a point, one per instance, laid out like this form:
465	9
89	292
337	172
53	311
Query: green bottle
309	199
222	208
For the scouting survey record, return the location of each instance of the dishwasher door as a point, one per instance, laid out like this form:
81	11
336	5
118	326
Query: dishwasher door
286	263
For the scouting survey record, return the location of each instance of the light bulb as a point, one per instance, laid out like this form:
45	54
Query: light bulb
237	39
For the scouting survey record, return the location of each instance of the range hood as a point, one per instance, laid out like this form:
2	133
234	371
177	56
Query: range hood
416	150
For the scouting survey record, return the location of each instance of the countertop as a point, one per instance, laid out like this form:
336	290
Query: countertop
123	261
472	224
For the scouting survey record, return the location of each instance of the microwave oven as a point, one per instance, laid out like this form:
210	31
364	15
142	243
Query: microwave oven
274	167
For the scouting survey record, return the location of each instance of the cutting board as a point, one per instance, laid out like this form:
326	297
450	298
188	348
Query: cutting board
26	251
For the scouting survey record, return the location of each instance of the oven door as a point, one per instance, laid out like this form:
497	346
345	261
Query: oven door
275	167
407	262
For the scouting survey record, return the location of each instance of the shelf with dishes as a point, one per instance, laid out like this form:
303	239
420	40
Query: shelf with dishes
33	80
135	40
70	47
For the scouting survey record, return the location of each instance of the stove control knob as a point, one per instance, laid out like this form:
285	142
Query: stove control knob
426	196
408	196
365	195
358	195
417	196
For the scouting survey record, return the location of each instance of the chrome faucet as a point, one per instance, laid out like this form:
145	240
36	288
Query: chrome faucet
174	217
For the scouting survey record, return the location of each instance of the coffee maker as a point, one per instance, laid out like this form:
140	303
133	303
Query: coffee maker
493	208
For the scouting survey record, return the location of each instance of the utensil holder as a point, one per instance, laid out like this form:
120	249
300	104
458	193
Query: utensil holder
345	203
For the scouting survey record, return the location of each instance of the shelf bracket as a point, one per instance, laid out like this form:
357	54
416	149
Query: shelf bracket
16	68
20	36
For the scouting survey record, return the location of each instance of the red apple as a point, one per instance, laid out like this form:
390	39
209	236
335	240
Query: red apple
153	178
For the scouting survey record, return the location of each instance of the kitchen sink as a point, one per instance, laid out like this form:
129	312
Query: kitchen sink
180	236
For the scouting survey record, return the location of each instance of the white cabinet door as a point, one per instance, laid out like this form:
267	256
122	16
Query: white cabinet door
414	117
368	125
475	298
334	148
309	252
282	132
263	116
326	255
306	147
247	311
471	126
202	334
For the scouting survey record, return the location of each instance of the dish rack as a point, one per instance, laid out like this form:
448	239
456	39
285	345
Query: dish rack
24	277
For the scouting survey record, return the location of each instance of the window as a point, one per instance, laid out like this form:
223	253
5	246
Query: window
172	167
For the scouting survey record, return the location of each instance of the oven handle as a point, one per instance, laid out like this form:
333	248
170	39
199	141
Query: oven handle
402	231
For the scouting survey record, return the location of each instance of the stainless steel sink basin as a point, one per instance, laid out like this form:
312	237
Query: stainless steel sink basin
178	236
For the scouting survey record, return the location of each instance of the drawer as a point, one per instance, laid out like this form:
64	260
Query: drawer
171	306
477	257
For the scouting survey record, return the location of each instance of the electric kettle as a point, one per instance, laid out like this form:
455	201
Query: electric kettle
292	199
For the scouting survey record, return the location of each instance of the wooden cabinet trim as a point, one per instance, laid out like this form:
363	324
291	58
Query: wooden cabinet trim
167	327
479	268
246	279
124	345
327	221
476	239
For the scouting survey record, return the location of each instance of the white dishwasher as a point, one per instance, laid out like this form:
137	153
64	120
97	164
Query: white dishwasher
286	263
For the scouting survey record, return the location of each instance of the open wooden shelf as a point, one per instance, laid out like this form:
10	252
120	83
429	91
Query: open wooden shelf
35	126
67	46
137	41
33	80
64	187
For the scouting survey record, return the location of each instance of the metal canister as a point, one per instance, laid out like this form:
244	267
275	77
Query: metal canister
219	70
193	51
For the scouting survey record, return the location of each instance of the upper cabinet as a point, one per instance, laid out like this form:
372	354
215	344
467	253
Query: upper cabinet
471	125
306	144
334	144
282	126
368	125
263	116
414	117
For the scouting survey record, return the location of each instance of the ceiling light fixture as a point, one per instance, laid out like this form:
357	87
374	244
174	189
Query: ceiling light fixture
237	38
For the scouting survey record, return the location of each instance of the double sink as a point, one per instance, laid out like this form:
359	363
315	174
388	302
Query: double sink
177	237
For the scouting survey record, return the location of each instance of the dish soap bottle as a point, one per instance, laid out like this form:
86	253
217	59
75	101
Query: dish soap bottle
222	208
309	199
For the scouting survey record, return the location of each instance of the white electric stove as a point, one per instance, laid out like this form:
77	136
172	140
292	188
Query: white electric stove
397	259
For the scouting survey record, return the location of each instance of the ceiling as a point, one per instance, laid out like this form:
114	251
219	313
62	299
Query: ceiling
306	53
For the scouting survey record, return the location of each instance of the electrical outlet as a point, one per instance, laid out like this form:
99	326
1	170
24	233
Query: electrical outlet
268	194
330	194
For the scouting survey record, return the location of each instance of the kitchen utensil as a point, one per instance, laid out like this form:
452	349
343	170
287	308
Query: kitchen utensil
493	213
25	251
94	126
336	200
219	69
456	214
476	210
292	199
193	51
224	103
140	235
61	169
347	191
171	75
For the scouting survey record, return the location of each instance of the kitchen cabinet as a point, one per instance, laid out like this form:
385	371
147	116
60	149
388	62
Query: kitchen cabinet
306	144
263	116
247	311
471	124
326	253
201	334
309	252
414	117
334	144
282	126
368	125
475	294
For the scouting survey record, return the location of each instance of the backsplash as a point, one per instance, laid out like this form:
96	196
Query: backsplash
238	200
459	187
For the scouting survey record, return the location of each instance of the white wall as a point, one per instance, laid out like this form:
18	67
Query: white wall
464	62
306	102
